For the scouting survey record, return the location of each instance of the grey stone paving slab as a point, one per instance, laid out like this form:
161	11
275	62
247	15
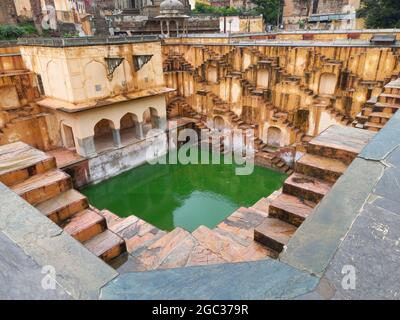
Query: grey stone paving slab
315	242
385	141
21	277
372	247
80	272
384	203
266	279
389	185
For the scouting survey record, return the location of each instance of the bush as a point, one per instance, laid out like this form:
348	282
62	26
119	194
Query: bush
11	32
223	11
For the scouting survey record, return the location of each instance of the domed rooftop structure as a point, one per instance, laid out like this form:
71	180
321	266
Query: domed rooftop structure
171	7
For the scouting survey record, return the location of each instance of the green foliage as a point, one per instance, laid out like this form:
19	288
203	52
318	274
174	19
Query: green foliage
70	35
11	32
380	13
222	11
270	9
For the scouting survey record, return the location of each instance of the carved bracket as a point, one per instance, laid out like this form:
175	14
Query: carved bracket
112	64
140	60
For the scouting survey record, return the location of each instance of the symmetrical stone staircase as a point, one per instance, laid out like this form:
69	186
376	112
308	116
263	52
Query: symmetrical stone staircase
34	176
378	111
231	241
328	155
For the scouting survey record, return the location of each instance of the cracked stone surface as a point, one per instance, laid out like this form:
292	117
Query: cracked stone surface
78	271
317	239
265	279
21	277
372	246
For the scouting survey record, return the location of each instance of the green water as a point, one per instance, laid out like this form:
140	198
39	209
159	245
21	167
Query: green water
187	196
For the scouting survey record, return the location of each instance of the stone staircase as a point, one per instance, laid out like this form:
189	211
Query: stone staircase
328	156
378	111
231	241
34	176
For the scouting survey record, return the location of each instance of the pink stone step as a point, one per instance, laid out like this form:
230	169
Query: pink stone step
85	225
274	233
106	245
63	206
290	209
306	187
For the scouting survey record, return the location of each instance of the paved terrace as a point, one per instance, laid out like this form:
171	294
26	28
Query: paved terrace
356	224
85	41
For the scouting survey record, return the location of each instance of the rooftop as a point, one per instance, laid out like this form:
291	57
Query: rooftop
70	107
85	41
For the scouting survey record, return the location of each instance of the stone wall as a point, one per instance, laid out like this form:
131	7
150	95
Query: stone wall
303	10
8	12
85	73
113	162
299	91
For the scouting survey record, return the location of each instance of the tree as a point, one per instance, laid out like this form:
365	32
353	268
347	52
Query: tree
380	13
270	9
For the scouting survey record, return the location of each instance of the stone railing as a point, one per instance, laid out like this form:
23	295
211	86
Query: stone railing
84	41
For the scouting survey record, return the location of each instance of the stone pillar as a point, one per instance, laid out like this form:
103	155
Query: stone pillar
139	129
86	147
116	137
168	28
162	123
177	27
161	25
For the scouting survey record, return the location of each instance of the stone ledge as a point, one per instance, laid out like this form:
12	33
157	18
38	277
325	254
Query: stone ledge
79	272
21	277
265	279
315	242
328	234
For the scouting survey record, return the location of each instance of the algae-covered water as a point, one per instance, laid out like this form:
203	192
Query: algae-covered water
172	195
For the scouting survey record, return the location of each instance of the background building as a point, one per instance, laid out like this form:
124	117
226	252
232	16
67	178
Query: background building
321	14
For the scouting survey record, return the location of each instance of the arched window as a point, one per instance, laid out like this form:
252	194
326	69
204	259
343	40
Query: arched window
129	128
274	136
219	123
327	84
103	135
150	120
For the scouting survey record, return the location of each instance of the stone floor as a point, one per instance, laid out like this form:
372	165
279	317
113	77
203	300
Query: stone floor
64	157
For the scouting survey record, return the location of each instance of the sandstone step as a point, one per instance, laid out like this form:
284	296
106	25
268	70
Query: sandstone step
290	209
44	186
305	187
20	161
274	233
85	225
63	206
225	247
106	245
137	233
380	115
339	142
373	126
385	107
251	251
155	254
320	167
